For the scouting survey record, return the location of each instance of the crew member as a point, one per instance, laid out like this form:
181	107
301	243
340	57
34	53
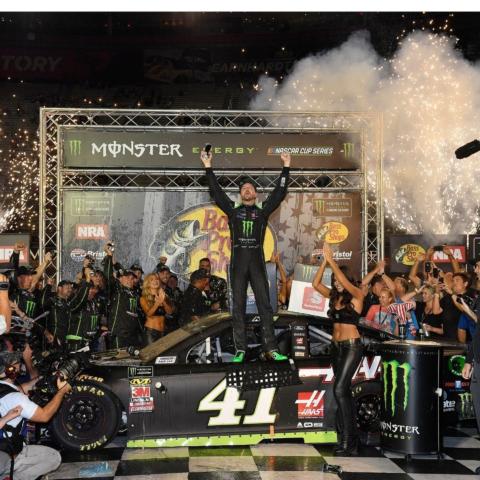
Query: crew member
217	291
248	221
195	303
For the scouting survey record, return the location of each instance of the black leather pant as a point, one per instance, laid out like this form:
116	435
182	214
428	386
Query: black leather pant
150	335
248	265
346	356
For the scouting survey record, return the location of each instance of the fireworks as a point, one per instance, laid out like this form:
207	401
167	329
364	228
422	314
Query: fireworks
429	96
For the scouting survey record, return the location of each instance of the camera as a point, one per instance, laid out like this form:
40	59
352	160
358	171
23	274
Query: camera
428	267
91	261
436	272
111	246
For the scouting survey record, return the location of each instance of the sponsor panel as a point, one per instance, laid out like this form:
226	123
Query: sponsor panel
157	148
404	250
96	231
7	243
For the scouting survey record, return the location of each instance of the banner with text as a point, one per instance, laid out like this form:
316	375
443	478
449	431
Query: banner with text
185	226
8	241
165	149
404	250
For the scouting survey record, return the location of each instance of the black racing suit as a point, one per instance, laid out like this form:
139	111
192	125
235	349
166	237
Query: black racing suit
247	231
61	311
123	318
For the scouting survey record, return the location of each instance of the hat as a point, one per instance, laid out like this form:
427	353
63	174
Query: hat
9	358
65	282
123	273
244	180
199	274
136	266
26	270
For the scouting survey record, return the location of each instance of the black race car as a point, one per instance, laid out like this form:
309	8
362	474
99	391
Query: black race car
175	393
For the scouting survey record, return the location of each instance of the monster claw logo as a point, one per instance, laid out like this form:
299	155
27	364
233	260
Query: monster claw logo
133	304
348	150
247	226
75	147
29	308
465	403
395	367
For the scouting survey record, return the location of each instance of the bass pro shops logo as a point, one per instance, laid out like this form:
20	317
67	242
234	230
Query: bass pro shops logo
390	389
247	227
75	147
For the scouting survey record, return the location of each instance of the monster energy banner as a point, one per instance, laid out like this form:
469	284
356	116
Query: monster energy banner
409	420
94	147
185	226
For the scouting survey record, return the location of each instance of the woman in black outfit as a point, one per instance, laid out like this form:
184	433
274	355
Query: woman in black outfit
346	302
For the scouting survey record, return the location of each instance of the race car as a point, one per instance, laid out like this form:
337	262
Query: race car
175	393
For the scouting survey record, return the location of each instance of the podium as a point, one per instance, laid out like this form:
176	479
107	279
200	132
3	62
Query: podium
411	401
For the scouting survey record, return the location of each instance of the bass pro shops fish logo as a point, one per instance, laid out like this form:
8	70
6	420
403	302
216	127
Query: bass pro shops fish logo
408	253
199	232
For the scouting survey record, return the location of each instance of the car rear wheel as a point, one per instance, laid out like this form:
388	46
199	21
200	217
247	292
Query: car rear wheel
88	418
368	403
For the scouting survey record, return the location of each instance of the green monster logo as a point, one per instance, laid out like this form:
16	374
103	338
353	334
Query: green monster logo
465	404
75	147
455	364
93	322
29	308
133	304
247	226
348	150
395	367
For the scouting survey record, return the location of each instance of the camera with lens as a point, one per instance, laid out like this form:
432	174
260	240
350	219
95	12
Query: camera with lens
111	246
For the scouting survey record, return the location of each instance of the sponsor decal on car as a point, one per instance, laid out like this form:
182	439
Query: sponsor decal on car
140	381
310	404
166	360
140	391
140	371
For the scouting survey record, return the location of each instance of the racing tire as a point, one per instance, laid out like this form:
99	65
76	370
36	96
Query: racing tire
368	403
88	418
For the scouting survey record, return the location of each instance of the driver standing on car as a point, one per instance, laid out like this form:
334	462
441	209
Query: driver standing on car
248	221
29	461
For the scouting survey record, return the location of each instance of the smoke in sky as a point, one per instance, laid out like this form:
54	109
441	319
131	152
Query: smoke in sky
429	96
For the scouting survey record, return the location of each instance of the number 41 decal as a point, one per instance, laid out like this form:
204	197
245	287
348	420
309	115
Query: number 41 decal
231	403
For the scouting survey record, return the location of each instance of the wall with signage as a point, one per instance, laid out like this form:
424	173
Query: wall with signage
404	249
185	226
7	242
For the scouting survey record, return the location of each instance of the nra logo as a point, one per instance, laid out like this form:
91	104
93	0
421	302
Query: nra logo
458	252
7	250
310	404
91	232
140	392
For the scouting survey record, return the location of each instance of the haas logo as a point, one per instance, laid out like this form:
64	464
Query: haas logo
91	232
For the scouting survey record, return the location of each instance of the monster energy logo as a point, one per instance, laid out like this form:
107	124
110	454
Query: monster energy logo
348	150
133	304
93	321
75	147
247	226
465	404
29	308
395	367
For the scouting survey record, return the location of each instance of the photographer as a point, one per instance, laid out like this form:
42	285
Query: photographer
123	319
29	461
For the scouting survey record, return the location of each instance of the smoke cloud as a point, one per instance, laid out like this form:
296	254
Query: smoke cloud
429	96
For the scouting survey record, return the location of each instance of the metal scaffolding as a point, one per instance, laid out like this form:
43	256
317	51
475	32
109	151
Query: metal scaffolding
56	179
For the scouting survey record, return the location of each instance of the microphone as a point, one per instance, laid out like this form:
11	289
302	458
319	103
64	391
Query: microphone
468	149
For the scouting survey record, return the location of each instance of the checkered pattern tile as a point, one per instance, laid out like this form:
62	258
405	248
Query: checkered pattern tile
272	462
